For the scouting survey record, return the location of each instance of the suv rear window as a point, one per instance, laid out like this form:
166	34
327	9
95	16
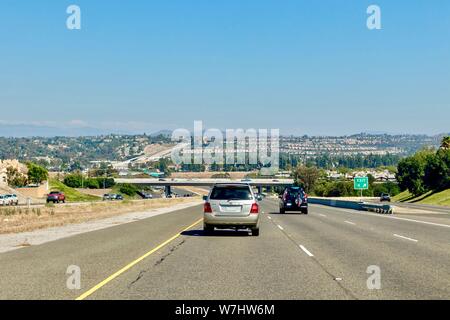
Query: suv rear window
231	193
293	193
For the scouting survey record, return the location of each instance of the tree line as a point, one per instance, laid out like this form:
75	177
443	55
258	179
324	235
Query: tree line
427	170
315	182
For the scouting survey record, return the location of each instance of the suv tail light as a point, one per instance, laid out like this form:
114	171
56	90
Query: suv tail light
305	199
255	208
207	208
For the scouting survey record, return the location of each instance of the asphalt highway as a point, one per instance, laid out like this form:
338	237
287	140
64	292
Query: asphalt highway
323	255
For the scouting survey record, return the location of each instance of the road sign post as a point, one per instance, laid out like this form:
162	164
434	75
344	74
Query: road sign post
361	183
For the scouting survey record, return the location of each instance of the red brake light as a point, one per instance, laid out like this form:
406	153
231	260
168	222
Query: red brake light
207	208
255	208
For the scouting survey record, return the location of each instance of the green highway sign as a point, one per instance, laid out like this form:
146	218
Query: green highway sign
361	183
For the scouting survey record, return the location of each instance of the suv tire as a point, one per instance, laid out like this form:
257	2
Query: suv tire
207	228
255	232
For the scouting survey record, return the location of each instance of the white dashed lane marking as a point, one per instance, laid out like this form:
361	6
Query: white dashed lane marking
406	238
306	251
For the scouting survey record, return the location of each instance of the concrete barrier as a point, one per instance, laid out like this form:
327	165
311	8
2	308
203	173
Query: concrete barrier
362	206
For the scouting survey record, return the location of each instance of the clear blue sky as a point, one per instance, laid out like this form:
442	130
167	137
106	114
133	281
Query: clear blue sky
306	67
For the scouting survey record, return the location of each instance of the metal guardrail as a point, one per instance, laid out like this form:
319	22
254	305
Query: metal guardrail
362	206
378	208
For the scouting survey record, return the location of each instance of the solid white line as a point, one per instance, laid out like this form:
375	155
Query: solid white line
349	222
406	238
281	228
322	215
306	251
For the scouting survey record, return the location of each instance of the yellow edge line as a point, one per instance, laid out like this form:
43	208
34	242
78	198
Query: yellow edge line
127	267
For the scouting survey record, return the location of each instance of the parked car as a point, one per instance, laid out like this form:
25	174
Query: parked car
385	197
12	199
145	195
294	199
112	196
3	200
56	197
107	196
231	206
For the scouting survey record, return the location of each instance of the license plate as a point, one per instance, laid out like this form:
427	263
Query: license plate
231	208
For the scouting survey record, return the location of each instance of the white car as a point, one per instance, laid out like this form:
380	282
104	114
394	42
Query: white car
3	200
12	199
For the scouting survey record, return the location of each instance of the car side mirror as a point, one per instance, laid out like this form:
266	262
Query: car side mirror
205	198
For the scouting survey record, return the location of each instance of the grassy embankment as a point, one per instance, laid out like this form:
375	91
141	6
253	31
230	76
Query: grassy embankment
441	198
72	195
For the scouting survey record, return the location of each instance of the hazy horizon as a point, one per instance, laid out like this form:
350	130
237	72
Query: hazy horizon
36	130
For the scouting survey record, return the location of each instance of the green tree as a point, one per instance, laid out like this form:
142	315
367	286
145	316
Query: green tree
128	189
15	178
445	144
411	172
74	180
306	177
93	183
36	173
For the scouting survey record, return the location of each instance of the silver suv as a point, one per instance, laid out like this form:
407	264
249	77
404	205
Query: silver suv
231	206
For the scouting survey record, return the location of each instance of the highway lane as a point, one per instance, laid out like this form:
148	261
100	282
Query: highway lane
39	272
346	242
323	255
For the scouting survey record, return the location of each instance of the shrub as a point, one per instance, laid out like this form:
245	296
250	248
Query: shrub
128	189
74	180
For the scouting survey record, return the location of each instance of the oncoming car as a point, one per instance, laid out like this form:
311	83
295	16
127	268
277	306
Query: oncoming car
231	206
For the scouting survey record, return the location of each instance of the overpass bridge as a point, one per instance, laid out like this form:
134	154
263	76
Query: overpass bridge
167	183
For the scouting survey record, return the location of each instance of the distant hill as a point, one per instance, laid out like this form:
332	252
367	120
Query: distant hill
164	133
27	130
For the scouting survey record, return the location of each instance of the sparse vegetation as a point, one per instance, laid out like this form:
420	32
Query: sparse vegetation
16	219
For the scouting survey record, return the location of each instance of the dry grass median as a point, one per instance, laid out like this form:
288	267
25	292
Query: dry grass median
21	219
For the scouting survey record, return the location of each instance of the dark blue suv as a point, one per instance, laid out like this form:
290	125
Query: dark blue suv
294	199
